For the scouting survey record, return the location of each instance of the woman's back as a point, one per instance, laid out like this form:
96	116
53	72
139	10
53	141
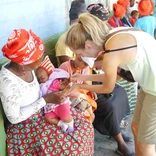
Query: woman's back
144	61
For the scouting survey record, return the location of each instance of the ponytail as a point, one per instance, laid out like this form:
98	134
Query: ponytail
89	27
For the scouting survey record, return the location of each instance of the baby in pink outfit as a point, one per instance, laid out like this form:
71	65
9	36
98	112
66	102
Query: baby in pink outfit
55	80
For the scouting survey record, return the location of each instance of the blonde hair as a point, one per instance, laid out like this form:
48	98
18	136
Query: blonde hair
89	27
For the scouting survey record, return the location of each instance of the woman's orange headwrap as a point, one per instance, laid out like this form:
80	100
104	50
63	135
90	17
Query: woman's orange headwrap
119	10
124	3
145	7
23	47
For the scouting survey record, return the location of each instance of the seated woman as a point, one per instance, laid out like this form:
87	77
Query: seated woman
125	19
77	7
118	13
28	132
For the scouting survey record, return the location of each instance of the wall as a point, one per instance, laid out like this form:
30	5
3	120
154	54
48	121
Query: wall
44	17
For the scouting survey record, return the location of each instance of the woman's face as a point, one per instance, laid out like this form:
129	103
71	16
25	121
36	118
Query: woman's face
34	65
98	64
90	50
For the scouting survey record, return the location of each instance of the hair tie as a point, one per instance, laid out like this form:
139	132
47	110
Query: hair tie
79	22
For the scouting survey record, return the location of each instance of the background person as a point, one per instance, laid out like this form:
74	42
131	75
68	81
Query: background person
146	22
118	13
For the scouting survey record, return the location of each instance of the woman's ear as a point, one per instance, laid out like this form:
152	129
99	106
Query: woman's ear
88	44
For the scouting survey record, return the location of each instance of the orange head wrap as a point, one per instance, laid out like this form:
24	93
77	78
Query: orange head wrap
23	47
119	11
47	65
124	3
145	7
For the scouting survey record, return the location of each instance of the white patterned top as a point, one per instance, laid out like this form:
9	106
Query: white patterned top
20	99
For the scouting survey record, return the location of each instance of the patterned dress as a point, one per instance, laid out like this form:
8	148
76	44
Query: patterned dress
35	137
28	133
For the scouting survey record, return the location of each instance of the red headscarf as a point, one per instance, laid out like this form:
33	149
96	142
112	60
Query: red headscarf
23	47
124	3
145	7
119	10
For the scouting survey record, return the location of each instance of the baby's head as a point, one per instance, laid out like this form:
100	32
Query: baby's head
63	83
135	14
59	79
44	70
42	75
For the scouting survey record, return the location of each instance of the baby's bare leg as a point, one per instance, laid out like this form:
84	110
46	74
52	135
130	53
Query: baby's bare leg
57	122
52	120
69	119
70	123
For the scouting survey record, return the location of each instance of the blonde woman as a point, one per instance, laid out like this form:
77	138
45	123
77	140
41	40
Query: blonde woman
128	49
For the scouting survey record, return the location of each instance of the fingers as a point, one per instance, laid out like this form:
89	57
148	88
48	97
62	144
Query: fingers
67	92
75	77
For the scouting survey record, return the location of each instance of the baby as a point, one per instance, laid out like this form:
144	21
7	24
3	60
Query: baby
55	80
134	17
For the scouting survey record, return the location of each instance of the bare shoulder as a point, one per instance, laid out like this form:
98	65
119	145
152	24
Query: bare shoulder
119	41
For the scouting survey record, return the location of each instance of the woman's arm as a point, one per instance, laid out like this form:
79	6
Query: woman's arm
109	78
93	77
11	94
11	98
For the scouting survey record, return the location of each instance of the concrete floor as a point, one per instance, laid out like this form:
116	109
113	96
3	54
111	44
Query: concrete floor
106	147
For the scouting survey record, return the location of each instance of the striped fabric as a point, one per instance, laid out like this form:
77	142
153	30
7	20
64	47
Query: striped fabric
47	65
131	92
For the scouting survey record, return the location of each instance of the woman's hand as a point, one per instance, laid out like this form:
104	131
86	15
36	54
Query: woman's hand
76	77
52	97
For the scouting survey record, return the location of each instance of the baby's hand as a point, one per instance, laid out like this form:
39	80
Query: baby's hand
85	114
94	95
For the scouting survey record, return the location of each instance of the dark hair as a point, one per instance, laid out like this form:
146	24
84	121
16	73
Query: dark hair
82	1
77	7
134	12
99	10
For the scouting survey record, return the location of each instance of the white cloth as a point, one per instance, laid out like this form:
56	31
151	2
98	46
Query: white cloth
143	67
20	99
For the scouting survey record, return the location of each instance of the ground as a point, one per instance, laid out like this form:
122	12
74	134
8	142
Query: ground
104	146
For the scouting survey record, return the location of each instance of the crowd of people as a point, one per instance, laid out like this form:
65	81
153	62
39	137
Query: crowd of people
53	111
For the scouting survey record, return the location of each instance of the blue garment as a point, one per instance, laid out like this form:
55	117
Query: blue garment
147	23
